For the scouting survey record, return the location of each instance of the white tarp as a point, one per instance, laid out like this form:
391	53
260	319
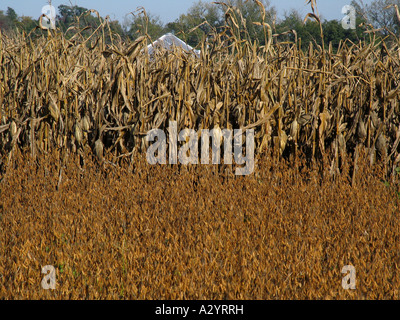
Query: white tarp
168	41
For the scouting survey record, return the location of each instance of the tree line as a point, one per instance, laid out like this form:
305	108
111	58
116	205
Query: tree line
382	16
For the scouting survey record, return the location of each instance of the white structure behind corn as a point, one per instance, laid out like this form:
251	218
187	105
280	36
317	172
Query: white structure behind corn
168	42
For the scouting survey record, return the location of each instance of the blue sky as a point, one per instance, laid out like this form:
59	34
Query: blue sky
167	10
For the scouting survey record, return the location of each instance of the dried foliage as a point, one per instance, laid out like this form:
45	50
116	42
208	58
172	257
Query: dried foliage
163	232
76	193
63	94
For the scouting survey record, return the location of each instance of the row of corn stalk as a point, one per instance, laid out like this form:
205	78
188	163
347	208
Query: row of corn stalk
65	95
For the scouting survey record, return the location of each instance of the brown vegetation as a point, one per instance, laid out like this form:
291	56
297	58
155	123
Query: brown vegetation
63	94
76	193
170	232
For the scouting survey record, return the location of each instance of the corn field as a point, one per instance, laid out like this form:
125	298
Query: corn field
71	94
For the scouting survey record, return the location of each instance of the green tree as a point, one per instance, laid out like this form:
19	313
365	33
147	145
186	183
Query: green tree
334	33
9	20
4	23
81	18
12	16
207	16
203	15
291	21
68	15
27	24
310	32
306	32
141	24
116	27
379	15
252	13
